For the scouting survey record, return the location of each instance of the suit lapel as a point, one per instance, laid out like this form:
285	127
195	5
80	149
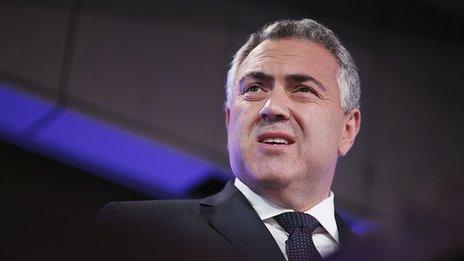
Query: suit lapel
232	215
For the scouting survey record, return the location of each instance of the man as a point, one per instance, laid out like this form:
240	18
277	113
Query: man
292	109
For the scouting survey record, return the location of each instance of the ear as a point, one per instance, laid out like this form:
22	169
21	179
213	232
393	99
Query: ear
351	126
227	116
227	120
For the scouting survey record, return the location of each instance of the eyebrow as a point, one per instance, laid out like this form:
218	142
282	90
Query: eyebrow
297	77
304	78
256	75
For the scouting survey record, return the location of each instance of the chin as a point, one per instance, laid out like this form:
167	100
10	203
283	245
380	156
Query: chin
272	176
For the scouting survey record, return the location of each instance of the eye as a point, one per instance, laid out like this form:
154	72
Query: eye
253	92
252	88
305	89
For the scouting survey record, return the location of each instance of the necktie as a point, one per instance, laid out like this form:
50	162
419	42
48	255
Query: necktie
300	226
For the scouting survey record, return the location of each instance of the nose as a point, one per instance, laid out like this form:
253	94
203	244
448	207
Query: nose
276	107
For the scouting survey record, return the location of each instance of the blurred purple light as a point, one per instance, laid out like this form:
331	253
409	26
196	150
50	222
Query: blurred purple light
102	149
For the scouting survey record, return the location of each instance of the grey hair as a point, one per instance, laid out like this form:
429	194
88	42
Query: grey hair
307	29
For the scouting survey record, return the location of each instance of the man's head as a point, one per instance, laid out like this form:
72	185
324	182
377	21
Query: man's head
306	29
292	109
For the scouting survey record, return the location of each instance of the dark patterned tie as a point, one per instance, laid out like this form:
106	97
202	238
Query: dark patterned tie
300	226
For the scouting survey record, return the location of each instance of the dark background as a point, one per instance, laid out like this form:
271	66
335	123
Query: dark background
158	69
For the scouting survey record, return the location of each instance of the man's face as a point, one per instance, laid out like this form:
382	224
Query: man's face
285	124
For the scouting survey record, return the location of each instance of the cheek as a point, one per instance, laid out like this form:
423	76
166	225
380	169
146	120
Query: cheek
236	128
322	132
334	134
242	119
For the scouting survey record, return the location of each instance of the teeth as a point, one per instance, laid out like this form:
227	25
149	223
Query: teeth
276	141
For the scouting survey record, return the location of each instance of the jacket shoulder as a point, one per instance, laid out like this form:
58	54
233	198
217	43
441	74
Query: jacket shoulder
152	226
146	210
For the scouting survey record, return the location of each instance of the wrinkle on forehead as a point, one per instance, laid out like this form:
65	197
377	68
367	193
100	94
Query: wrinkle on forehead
299	56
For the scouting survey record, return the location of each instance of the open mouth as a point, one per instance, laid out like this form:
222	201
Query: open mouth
275	139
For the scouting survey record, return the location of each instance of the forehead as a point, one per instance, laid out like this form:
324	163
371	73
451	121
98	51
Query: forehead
290	56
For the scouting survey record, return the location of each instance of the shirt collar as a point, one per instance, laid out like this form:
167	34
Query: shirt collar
324	211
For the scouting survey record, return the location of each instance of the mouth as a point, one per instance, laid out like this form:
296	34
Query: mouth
276	139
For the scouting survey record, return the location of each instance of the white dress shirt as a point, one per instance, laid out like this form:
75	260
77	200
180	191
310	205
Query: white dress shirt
325	238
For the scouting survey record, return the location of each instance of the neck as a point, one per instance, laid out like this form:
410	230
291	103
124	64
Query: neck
298	196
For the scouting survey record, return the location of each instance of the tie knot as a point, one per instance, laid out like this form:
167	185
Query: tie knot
291	220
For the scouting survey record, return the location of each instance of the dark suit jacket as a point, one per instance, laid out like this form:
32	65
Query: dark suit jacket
220	227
